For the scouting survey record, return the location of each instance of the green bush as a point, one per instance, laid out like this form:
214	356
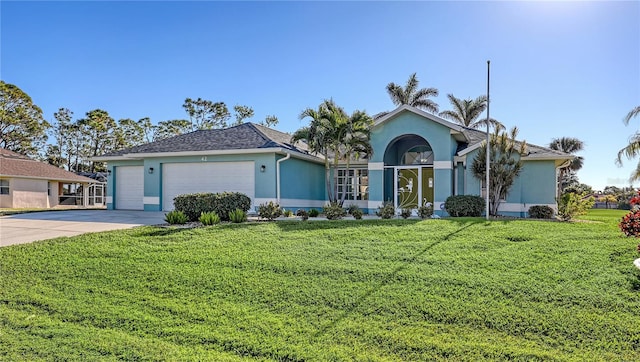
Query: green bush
176	217
386	211
303	214
406	213
287	213
540	212
425	211
314	213
237	216
464	205
334	211
221	203
269	211
357	213
352	208
571	204
209	218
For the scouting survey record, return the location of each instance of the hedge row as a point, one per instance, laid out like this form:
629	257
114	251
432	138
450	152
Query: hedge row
221	203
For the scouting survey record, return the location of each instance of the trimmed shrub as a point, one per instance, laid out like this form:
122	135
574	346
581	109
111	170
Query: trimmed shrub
464	205
334	211
351	208
386	211
571	204
221	203
357	213
209	218
287	213
406	213
237	216
425	211
540	212
303	214
314	213
269	211
176	217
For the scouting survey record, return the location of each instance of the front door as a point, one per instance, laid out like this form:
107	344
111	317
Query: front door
414	187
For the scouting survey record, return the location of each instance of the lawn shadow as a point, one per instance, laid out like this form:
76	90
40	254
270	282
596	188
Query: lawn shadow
161	231
341	224
392	276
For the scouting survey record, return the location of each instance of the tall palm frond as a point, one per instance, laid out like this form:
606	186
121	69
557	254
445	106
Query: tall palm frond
572	146
411	95
467	112
633	113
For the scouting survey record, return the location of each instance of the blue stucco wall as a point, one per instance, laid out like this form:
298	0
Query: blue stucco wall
438	136
302	180
406	123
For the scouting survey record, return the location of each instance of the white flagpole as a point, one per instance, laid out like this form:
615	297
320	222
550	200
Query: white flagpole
488	164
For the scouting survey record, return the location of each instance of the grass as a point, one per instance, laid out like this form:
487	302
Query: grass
381	290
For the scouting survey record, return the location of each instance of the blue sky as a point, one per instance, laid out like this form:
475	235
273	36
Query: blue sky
557	68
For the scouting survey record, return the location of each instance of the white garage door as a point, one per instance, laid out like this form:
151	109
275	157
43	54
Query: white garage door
189	178
129	187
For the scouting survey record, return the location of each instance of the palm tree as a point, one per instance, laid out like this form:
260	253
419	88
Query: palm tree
316	137
356	141
412	95
335	135
466	112
571	146
633	113
632	150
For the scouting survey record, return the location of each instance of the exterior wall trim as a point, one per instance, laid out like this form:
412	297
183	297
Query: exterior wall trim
151	200
278	150
375	166
442	165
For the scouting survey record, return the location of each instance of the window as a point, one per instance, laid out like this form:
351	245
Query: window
355	184
4	187
49	188
418	155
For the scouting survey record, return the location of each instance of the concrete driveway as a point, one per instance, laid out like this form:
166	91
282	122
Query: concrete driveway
25	228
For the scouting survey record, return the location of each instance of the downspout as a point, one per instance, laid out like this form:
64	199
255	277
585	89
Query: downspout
278	175
558	181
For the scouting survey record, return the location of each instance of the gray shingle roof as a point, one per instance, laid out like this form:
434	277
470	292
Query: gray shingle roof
244	136
476	136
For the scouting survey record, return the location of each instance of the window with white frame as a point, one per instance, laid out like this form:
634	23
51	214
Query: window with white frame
4	187
354	183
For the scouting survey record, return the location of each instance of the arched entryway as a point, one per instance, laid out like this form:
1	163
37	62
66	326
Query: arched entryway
408	172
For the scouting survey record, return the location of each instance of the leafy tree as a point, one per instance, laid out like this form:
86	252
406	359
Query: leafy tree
506	165
131	133
100	132
270	121
242	113
609	199
467	112
632	150
412	95
22	126
65	139
174	127
205	114
579	188
52	156
572	146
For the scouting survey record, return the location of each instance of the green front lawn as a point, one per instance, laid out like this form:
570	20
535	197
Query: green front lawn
460	289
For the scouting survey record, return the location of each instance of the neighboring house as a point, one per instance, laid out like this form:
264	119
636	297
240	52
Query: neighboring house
27	183
418	157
